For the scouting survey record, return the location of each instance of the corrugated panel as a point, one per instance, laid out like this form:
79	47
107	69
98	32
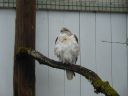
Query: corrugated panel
107	59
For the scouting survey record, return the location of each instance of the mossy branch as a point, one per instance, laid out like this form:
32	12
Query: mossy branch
99	85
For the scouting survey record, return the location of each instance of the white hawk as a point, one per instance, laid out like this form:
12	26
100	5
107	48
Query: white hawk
67	49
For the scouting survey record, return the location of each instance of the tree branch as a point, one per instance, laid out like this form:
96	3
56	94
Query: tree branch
99	85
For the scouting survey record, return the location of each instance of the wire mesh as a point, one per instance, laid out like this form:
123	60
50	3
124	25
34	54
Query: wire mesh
76	5
7	3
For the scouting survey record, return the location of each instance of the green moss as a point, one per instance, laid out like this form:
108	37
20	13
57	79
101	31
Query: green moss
22	50
104	87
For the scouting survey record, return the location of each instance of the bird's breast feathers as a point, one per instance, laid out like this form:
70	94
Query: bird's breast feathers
66	48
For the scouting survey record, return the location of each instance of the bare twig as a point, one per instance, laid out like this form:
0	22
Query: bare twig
115	42
99	85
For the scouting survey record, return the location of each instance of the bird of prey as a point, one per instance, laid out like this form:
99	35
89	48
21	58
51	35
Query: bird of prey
67	49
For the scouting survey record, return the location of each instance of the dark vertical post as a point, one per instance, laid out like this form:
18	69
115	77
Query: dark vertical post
24	68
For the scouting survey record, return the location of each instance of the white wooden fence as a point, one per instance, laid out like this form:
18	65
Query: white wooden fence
109	60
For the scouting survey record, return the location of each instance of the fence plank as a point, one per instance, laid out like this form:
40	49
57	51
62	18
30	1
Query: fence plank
103	49
119	54
56	77
71	21
7	34
88	51
42	81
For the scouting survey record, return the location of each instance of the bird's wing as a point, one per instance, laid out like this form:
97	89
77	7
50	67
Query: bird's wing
56	40
76	38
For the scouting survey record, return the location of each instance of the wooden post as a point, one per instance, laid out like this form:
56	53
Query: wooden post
24	68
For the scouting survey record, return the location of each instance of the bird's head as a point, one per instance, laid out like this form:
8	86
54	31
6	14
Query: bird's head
66	31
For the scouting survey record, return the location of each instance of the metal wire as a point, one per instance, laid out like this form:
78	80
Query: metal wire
7	3
76	5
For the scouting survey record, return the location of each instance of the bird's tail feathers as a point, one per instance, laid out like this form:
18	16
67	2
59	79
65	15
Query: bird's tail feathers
70	74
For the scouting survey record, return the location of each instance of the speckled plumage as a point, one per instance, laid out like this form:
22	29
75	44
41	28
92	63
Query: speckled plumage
67	49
